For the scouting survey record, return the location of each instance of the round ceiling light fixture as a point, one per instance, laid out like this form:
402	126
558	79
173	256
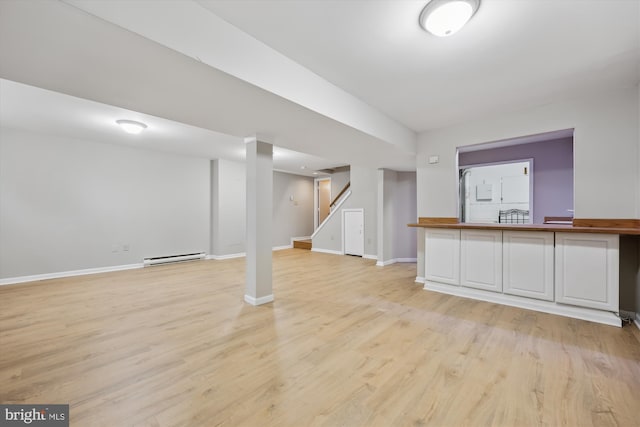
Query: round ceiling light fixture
443	18
131	126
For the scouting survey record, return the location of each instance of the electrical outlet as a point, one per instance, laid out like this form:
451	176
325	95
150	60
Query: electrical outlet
125	247
115	248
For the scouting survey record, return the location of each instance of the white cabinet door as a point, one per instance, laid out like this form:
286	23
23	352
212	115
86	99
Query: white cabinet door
528	264
587	270
481	259
442	255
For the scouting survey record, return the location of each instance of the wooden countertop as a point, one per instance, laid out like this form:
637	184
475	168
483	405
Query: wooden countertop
564	228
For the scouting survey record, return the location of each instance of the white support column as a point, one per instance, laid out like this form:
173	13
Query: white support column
386	218
380	217
258	289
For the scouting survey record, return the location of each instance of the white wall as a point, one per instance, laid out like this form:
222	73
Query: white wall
291	218
364	187
228	214
606	133
605	149
69	204
72	205
396	208
386	218
405	238
228	211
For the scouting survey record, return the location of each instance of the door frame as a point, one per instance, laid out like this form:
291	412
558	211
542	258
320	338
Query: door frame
316	197
361	210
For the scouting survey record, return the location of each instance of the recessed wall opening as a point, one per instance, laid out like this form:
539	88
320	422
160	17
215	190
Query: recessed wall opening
497	192
527	180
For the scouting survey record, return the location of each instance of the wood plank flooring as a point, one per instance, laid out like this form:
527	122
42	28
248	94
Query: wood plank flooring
345	343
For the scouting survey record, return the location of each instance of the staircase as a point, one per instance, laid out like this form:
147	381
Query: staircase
302	244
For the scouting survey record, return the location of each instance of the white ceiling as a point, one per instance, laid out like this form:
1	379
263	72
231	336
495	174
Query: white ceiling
511	55
171	62
52	113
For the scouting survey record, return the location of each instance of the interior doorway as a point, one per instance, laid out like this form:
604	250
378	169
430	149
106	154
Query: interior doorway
322	200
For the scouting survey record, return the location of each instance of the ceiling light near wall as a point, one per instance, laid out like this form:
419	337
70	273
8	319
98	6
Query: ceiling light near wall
131	126
443	18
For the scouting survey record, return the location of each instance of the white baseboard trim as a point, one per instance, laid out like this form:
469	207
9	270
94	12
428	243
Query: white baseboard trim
326	251
406	259
228	256
395	260
637	320
258	301
589	314
244	254
62	274
420	279
365	256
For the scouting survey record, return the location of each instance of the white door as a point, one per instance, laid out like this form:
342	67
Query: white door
353	221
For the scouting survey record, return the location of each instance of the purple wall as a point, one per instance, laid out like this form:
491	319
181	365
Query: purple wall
552	172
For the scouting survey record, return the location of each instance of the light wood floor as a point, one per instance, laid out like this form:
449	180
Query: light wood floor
345	344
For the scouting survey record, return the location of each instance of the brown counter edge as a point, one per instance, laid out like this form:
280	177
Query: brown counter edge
605	226
606	223
437	220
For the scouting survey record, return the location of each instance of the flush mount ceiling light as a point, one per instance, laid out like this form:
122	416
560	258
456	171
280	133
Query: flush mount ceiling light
131	126
443	18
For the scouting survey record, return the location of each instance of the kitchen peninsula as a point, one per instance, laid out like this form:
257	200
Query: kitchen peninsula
566	269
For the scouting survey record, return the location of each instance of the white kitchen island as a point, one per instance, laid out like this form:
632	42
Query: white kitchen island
560	269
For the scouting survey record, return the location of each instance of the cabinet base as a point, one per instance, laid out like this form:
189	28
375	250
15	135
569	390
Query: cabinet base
589	314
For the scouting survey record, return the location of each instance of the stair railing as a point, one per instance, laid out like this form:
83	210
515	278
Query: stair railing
344	190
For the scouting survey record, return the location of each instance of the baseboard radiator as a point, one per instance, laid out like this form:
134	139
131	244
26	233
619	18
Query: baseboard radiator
148	262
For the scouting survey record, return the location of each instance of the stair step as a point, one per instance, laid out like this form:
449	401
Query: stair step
302	244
